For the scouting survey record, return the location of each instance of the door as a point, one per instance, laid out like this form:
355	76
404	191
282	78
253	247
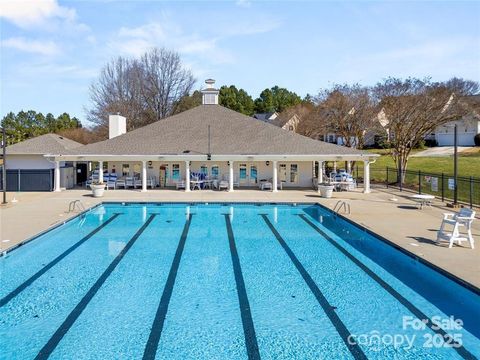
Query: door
253	175
247	174
242	174
163	175
81	173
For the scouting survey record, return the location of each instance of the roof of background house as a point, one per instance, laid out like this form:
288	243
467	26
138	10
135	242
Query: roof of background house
282	119
473	104
232	133
43	144
264	116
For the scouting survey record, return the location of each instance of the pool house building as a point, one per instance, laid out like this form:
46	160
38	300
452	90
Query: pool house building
212	142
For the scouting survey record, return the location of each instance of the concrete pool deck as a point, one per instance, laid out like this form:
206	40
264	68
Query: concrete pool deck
396	220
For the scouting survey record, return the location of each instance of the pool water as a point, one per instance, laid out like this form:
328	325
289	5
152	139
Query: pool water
225	281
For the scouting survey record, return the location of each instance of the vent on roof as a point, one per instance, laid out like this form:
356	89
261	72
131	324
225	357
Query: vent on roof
210	94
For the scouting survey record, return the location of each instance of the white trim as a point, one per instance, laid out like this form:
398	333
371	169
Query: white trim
190	157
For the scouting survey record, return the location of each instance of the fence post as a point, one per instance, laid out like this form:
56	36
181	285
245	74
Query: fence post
18	180
471	192
420	182
443	188
386	180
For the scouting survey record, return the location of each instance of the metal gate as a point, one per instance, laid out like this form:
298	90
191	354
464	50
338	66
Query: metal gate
29	180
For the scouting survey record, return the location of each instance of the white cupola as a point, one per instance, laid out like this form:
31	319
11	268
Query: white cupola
210	94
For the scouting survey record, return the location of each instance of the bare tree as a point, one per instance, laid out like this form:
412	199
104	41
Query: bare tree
143	90
462	87
412	108
346	110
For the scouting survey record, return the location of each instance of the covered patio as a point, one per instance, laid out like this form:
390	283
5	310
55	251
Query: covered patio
272	173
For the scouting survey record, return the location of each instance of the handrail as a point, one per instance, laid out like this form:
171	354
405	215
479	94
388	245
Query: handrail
75	204
341	204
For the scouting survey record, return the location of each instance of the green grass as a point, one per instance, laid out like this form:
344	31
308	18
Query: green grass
468	163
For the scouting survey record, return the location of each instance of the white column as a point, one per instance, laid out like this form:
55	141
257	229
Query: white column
74	173
230	176
366	177
100	171
144	176
320	172
57	176
187	176
349	167
334	166
275	177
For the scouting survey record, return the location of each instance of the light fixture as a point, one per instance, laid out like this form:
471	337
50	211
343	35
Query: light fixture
150	164
267	163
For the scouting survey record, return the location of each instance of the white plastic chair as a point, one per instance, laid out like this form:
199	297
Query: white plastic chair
463	219
180	184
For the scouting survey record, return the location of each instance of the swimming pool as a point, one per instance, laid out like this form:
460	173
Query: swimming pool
226	281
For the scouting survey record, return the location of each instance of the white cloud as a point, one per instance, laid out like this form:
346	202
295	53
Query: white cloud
135	41
47	48
243	3
31	13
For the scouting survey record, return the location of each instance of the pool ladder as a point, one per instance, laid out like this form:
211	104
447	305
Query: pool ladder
341	204
75	205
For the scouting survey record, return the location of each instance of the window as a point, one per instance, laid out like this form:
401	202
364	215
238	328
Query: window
175	171
125	169
215	171
136	170
293	173
253	173
105	166
209	99
243	171
204	169
283	172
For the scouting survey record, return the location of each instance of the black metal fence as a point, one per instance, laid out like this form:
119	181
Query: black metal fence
440	185
29	180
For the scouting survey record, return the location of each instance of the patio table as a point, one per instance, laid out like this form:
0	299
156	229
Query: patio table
196	184
423	199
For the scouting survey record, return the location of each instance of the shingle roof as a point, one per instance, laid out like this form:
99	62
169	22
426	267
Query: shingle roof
232	133
43	144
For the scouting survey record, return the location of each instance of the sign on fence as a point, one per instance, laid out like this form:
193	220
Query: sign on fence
451	184
434	182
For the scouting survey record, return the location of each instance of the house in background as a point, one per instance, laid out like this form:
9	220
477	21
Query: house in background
467	127
266	117
29	170
287	121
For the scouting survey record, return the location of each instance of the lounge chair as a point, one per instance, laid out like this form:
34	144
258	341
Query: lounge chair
180	185
129	182
111	181
223	184
121	183
137	182
266	185
463	219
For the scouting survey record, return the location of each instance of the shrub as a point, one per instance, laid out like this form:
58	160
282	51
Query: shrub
476	139
420	145
431	143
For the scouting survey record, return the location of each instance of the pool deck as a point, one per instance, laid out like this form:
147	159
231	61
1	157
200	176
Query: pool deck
396	220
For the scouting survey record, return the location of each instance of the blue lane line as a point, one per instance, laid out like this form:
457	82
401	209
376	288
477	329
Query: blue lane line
464	353
50	346
342	330
248	327
157	326
54	262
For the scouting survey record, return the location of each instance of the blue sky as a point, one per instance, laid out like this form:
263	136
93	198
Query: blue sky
51	51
